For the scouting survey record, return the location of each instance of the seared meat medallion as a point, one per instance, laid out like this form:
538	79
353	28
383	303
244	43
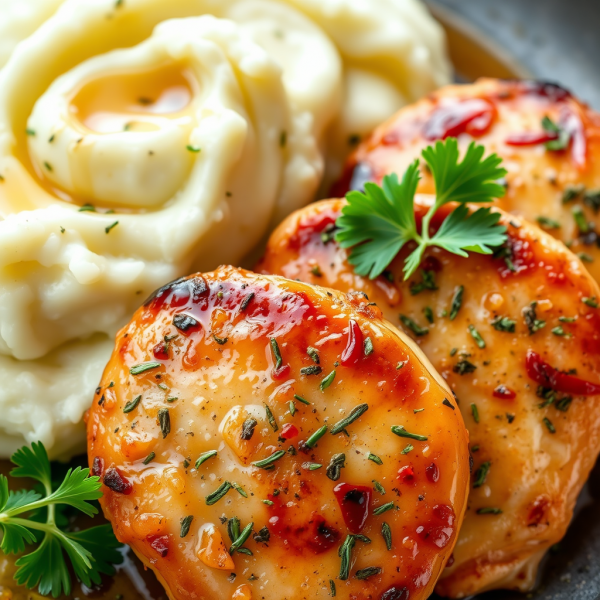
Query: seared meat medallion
263	438
517	337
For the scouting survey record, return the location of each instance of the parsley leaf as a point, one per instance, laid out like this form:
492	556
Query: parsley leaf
90	552
378	223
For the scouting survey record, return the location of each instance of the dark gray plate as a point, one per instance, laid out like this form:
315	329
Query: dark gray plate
554	40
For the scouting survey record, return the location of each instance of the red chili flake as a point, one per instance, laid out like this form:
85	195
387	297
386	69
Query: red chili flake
473	116
396	592
98	466
116	482
407	475
538	511
354	348
440	527
280	373
355	501
504	393
531	138
433	473
543	374
289	431
431	263
160	543
160	351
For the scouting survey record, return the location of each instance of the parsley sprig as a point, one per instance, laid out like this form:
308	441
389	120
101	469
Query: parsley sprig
378	223
28	517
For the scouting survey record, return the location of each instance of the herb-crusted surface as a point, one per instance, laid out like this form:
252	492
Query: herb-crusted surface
482	342
275	491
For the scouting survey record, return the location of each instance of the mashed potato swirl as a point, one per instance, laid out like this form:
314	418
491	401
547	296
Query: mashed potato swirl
144	139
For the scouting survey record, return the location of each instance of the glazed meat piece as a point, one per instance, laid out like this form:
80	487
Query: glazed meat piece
517	338
266	439
549	141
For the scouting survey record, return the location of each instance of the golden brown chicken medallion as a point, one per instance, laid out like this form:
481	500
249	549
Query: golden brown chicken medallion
517	337
262	438
549	142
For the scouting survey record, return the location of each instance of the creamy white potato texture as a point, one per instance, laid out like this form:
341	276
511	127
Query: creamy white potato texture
143	139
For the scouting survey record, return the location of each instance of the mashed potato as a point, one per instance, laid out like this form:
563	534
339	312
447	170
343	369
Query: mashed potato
144	139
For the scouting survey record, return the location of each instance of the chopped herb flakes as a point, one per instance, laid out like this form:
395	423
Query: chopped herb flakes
447	403
132	404
591	302
368	572
332	588
368	346
355	414
548	423
427	283
149	458
375	458
383	508
194	149
239	489
311	466
327	381
414	327
334	469
311	442
476	336
266	463
580	220
248	428
489	511
386	532
400	431
204	457
292	407
111	227
185	525
276	354
456	302
409	448
218	493
378	487
533	323
504	324
475	413
481	474
314	355
242	539
246	301
220	340
164	420
464	367
301	399
548	223
428	312
312	370
143	367
271	418
571	192
345	554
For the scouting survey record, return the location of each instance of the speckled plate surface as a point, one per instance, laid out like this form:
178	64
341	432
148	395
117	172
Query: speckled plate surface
553	40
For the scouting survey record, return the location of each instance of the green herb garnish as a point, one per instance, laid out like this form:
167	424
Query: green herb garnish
378	223
89	552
